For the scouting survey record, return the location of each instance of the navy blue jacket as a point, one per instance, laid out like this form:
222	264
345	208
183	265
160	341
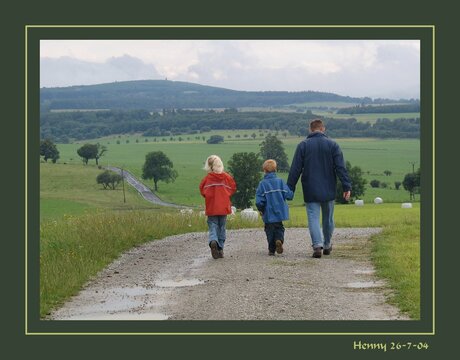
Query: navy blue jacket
271	196
319	160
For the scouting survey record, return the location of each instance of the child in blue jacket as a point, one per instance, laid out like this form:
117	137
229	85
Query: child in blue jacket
271	196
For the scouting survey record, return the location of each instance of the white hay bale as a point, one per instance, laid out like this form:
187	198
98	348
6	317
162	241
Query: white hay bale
249	214
406	205
378	200
359	202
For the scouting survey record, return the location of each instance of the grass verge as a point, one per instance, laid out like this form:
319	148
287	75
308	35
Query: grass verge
396	256
73	249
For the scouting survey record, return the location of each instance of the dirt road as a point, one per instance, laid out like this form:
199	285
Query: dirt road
176	279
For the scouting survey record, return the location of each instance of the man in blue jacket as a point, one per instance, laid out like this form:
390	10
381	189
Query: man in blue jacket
320	161
271	196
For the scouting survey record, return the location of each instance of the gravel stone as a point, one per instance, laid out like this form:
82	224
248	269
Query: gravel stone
246	284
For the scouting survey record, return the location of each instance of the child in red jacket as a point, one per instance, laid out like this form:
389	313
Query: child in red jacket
217	187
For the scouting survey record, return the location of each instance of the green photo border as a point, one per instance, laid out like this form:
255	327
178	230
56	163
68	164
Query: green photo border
34	326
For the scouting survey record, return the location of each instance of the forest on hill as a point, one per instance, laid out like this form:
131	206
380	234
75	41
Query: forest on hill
155	95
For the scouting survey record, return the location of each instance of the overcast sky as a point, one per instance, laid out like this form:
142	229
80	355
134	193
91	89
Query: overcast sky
375	68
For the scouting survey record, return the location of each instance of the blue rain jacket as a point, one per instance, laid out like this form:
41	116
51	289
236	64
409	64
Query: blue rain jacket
271	196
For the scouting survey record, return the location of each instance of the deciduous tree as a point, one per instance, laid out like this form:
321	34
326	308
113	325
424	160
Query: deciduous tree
49	150
358	183
109	179
272	148
158	167
246	170
411	183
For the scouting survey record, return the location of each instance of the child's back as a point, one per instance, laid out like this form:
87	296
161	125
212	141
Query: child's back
217	187
271	196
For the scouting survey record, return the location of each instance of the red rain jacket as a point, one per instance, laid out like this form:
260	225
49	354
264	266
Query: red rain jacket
217	190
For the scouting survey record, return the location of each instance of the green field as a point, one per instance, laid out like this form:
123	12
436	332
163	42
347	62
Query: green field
372	155
81	211
71	189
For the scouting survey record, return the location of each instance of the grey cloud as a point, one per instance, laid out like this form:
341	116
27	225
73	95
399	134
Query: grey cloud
393	74
66	71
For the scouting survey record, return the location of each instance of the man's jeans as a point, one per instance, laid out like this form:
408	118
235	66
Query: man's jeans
319	239
216	226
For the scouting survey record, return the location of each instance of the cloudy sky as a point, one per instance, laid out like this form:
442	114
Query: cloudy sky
375	68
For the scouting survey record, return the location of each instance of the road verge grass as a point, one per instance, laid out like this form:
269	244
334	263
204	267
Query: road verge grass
73	249
396	256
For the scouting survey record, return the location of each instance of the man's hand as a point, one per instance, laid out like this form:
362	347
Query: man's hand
346	195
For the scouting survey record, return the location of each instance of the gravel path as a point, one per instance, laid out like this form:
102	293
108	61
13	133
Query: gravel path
176	279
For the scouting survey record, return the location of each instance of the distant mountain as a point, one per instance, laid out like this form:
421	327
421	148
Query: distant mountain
161	94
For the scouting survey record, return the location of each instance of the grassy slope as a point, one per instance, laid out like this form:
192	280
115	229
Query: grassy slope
373	156
67	189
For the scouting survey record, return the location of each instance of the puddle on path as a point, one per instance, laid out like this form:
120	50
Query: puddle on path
365	284
178	283
123	303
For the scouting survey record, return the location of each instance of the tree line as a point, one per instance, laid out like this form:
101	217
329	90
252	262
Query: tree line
64	127
388	109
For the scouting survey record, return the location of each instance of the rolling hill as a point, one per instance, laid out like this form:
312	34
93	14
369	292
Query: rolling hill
161	94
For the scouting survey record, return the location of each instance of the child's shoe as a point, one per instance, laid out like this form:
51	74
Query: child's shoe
214	249
279	246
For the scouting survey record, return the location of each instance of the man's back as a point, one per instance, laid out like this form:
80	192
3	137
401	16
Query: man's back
319	160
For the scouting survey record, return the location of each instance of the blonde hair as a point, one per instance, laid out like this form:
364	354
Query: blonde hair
214	164
269	165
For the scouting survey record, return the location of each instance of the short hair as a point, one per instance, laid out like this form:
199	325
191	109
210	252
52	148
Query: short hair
269	165
316	124
214	164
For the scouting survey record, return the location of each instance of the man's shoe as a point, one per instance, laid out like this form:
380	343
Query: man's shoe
221	254
279	246
317	252
327	251
214	249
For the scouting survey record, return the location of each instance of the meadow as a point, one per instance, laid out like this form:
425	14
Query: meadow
67	189
374	156
75	210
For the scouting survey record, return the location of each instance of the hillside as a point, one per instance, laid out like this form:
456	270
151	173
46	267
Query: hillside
160	94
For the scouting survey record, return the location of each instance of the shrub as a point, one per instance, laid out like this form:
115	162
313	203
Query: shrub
215	139
109	179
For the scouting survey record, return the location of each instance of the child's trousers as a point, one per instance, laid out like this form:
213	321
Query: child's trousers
274	231
216	226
